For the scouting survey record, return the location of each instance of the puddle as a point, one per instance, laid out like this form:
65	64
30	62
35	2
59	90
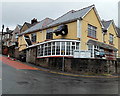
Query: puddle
23	82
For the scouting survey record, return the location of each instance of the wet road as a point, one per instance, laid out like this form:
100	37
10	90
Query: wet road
19	81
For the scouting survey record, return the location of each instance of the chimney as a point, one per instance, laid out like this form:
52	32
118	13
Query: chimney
34	21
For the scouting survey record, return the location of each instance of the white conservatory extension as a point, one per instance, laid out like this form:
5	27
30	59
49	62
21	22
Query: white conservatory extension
57	48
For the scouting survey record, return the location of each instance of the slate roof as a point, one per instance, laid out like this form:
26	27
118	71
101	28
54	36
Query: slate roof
19	26
71	15
106	24
38	26
28	24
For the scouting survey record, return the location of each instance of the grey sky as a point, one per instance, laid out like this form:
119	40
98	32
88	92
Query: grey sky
14	13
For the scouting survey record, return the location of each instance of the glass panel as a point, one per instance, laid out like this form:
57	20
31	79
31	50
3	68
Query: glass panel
77	46
49	48
46	49
53	48
57	48
62	48
73	43
68	48
72	48
41	50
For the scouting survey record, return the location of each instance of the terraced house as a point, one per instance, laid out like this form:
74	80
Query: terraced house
76	34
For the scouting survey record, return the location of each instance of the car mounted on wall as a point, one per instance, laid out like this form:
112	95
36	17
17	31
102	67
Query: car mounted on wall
61	30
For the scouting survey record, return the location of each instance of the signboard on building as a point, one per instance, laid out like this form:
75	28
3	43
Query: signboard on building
82	54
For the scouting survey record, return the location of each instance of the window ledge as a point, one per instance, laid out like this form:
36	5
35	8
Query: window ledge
104	41
111	43
92	37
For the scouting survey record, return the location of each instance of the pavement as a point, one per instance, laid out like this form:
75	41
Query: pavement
23	65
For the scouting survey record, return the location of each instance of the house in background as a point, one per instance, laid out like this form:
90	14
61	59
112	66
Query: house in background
16	31
0	43
14	42
20	37
6	38
31	36
110	36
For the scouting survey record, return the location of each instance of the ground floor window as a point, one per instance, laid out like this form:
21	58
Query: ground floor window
59	47
99	52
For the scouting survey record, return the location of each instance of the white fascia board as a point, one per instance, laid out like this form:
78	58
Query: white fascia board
113	26
78	28
52	41
96	14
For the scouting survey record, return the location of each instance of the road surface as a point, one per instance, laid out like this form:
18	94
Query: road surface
18	80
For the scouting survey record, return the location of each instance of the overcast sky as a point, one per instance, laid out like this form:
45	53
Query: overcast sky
14	13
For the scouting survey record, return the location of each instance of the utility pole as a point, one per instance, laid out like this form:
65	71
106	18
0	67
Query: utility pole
63	64
2	37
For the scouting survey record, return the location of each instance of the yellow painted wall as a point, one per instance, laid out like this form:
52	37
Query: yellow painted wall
119	47
112	31
90	18
22	43
41	36
72	32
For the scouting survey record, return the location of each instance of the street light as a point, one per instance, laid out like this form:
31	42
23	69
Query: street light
63	64
2	31
1	37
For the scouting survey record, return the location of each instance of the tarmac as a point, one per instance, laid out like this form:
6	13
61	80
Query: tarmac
18	64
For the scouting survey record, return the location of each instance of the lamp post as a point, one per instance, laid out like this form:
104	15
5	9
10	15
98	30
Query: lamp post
63	64
1	37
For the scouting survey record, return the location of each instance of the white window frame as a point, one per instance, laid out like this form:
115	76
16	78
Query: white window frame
65	41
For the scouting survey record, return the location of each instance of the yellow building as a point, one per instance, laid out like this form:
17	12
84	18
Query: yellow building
78	34
118	30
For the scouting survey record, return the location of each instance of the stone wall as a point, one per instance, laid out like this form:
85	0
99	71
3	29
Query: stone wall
97	66
16	53
76	65
43	62
31	55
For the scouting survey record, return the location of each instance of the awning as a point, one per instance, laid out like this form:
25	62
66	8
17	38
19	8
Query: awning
103	45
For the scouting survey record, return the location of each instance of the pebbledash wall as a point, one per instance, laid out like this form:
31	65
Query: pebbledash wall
74	65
